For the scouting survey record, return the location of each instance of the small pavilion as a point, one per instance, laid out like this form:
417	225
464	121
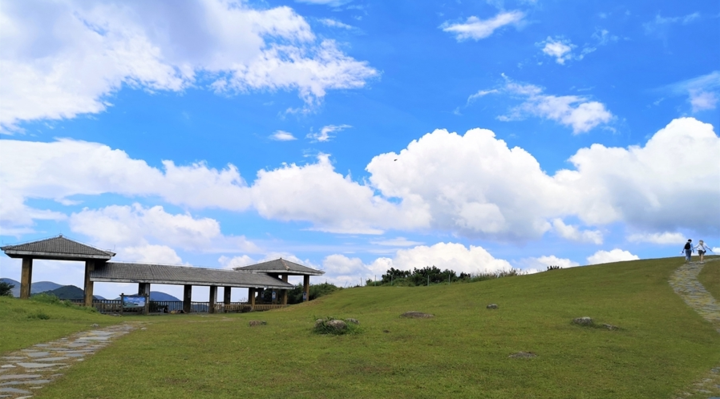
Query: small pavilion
281	269
98	268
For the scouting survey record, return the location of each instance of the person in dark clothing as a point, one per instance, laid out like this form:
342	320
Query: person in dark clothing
688	250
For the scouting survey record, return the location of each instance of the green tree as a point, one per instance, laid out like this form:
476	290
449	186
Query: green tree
6	289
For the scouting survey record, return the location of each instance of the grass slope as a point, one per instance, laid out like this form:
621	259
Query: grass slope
662	348
710	278
27	322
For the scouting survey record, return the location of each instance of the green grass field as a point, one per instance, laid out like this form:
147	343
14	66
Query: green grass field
24	323
662	347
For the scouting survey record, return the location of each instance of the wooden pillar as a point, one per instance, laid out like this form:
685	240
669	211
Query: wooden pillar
88	290
26	278
144	289
251	297
306	287
284	292
187	299
213	298
226	295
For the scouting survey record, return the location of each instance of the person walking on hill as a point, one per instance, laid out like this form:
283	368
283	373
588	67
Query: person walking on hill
688	249
702	249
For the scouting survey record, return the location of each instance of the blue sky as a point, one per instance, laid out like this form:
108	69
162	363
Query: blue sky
354	136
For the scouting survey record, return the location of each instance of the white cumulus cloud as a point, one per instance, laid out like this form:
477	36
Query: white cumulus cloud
476	29
64	58
615	255
141	227
541	263
344	270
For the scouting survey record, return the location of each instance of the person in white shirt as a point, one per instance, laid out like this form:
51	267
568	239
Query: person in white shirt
702	249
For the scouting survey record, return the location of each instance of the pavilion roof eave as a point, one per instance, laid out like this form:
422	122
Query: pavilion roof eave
54	256
318	273
194	283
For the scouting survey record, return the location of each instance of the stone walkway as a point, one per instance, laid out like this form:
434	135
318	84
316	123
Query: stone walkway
685	283
27	370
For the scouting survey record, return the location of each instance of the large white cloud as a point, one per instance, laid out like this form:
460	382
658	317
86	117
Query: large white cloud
66	168
670	183
63	58
472	185
134	229
331	201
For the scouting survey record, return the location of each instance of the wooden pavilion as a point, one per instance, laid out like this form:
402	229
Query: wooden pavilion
256	278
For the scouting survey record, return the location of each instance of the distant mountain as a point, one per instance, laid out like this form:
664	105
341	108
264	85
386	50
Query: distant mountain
69	292
35	288
42	286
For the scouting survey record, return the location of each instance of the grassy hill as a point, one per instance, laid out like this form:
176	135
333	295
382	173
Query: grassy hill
662	347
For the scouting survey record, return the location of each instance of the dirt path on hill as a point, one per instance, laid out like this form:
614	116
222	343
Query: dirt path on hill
685	283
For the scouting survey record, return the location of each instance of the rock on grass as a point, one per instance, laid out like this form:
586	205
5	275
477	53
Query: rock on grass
417	315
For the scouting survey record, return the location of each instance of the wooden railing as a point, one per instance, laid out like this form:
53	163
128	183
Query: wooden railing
115	306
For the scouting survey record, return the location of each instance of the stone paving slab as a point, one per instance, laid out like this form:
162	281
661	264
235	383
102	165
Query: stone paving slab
18	376
44	360
30	382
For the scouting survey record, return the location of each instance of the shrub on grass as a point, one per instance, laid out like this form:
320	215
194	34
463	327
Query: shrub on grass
39	316
333	326
53	300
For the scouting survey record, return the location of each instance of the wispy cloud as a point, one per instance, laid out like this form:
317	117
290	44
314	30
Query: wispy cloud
326	132
335	24
658	238
476	29
331	3
702	91
660	25
560	49
282	135
578	112
397	242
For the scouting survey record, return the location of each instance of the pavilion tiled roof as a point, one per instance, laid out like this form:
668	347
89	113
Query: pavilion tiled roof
281	266
180	275
56	248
